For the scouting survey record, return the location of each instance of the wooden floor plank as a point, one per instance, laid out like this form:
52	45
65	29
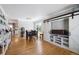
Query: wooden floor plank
21	46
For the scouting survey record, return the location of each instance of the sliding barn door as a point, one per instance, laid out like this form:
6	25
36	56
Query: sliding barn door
74	33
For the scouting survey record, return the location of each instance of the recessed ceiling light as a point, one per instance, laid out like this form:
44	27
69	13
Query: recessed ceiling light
28	18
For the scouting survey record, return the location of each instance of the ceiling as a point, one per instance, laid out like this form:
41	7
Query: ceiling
30	11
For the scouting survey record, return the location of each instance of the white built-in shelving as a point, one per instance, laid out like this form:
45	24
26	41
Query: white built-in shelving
5	36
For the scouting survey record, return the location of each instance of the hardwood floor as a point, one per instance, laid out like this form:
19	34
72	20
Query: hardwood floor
21	46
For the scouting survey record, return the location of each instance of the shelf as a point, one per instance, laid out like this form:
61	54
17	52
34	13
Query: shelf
51	40
61	40
4	42
65	44
58	43
66	41
4	37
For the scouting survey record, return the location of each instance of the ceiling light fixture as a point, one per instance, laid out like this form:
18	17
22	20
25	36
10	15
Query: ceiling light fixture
28	18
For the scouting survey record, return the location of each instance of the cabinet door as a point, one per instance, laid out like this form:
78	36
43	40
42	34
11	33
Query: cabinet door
74	33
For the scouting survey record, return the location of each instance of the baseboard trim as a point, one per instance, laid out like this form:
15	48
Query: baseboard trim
61	46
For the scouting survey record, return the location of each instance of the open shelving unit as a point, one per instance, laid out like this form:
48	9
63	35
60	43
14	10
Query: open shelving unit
4	42
5	34
61	40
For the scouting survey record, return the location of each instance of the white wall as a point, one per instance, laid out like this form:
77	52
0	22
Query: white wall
47	28
26	24
58	24
74	33
38	22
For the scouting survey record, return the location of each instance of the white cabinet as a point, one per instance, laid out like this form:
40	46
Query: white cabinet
5	35
4	42
60	40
